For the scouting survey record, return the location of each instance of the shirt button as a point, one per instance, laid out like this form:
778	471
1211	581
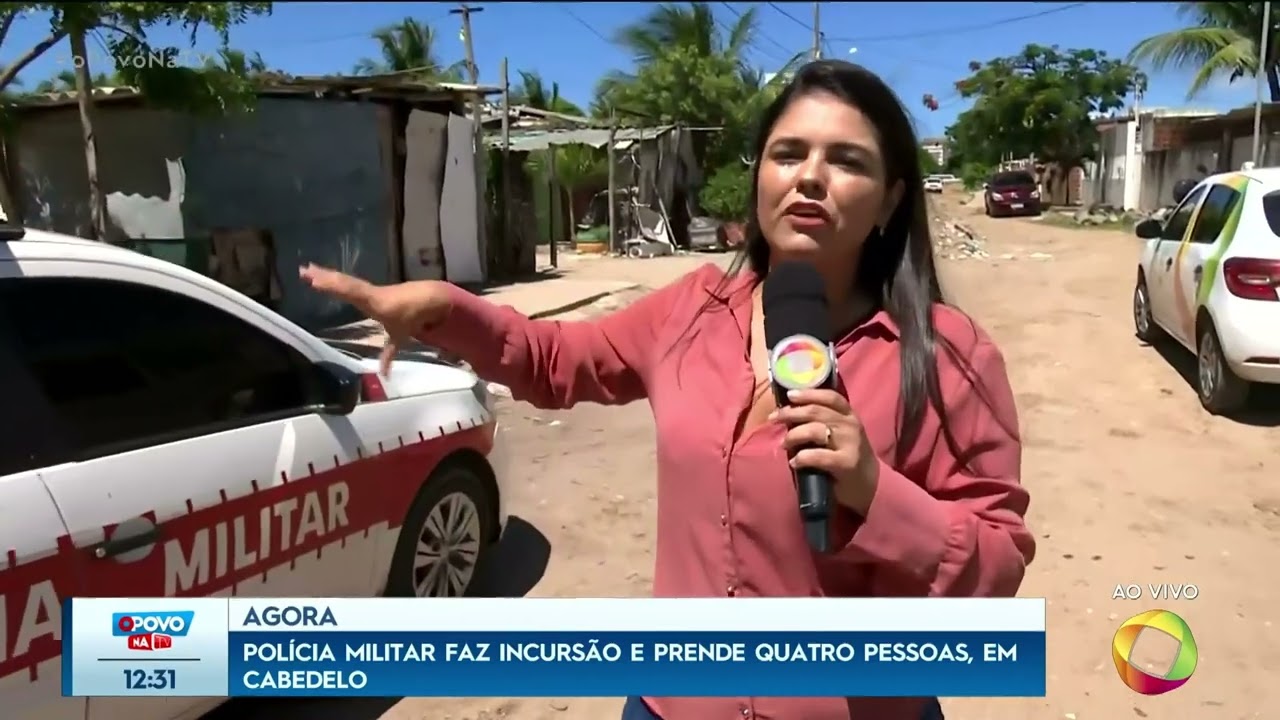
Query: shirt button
746	712
732	590
724	521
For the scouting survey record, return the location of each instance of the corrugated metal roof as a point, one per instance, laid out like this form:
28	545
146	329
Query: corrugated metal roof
394	85
543	139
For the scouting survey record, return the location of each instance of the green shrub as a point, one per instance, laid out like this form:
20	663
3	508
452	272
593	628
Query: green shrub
973	175
727	192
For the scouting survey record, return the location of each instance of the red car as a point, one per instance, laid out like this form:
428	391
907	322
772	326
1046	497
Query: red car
1012	193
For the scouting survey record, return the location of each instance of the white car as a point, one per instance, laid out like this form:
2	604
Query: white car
1209	278
164	435
932	184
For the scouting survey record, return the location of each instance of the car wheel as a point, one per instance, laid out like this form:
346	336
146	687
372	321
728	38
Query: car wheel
1221	391
1143	326
446	536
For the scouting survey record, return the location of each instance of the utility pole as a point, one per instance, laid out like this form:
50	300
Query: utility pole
465	11
477	114
511	256
817	31
1263	65
613	182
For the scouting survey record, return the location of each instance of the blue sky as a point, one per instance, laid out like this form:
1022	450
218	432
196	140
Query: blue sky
917	47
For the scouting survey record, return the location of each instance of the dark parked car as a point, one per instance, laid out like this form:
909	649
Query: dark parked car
1012	193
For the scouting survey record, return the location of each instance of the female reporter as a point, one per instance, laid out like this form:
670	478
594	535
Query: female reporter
921	439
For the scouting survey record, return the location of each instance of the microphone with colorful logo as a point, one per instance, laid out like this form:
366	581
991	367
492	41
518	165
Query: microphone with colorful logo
797	329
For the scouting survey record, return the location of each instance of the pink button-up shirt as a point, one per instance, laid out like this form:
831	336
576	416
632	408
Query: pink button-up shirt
728	518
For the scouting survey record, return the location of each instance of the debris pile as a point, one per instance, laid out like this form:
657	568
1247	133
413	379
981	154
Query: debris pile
955	241
1106	215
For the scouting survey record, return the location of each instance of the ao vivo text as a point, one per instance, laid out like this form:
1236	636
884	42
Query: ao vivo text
1156	591
151	630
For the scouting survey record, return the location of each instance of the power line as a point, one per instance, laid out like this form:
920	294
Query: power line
962	28
583	23
789	16
361	35
759	34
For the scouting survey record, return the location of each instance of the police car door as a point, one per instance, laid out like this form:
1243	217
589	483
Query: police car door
37	564
189	477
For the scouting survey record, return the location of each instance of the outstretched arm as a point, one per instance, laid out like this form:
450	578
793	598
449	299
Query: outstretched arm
555	364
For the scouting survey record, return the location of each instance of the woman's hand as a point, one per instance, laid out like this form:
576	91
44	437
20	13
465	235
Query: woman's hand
824	434
402	309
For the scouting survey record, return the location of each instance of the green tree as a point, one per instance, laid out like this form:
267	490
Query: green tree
1220	41
409	47
688	70
1040	102
576	166
533	92
727	193
122	28
670	26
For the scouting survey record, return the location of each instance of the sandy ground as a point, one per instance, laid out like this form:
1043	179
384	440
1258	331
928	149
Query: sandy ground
1131	483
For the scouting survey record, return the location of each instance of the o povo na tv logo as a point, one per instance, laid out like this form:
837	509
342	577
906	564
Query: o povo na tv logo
151	630
800	362
1145	682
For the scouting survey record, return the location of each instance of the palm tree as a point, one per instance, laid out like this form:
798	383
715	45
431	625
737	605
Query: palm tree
237	62
576	166
409	47
692	26
670	26
1222	40
533	92
65	81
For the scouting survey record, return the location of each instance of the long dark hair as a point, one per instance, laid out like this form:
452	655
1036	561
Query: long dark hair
896	268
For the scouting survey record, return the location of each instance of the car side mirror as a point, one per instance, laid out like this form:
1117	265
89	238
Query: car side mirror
1148	229
336	388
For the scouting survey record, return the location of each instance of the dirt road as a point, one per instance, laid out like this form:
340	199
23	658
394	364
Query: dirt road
1131	484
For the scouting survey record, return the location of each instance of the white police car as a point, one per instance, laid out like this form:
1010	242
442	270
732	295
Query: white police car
1209	277
164	435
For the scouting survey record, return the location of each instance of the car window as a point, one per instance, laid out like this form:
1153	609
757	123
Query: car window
125	365
1214	212
1271	209
31	435
1177	223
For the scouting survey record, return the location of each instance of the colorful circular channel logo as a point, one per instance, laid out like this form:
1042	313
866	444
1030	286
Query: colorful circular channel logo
1141	681
800	362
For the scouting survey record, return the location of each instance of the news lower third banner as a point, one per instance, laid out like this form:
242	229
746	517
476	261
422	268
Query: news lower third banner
219	647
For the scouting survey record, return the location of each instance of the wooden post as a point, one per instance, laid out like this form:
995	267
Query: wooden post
613	185
556	204
817	31
84	99
477	114
510	252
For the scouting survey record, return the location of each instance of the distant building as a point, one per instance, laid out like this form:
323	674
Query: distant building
1141	154
937	147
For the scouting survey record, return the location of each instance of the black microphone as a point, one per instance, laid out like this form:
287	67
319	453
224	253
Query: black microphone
797	330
